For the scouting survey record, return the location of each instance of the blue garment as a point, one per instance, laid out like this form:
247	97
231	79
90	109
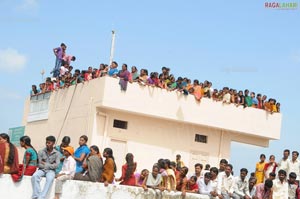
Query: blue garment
56	70
79	151
254	101
35	181
113	71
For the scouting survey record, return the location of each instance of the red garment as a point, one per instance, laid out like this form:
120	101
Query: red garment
131	180
2	154
29	171
298	193
268	164
193	187
87	76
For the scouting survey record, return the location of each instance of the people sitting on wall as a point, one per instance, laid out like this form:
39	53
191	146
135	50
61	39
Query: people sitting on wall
81	153
214	183
192	186
67	172
109	167
153	180
92	168
128	170
49	159
64	143
9	159
140	177
30	160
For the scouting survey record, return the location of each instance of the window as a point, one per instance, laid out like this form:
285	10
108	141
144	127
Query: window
120	124
200	138
39	107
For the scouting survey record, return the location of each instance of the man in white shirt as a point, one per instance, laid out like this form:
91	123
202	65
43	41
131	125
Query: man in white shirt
204	185
293	186
280	186
67	172
198	169
225	183
252	187
294	164
241	185
226	96
283	163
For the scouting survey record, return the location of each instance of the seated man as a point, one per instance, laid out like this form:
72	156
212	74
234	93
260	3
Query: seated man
49	158
264	190
252	187
294	190
225	183
241	188
280	186
204	184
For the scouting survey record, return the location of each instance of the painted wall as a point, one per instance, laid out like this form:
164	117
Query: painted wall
84	190
161	122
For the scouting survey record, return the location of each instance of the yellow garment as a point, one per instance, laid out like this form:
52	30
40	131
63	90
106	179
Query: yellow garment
259	172
274	108
171	180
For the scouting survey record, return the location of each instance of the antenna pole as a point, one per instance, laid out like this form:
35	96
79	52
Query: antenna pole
112	48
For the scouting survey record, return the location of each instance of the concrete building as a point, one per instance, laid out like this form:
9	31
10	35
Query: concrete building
150	122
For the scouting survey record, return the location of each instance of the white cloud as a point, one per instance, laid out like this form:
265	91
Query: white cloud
11	60
28	5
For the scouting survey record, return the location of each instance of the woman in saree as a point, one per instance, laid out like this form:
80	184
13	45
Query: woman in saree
93	166
124	75
109	167
9	160
259	169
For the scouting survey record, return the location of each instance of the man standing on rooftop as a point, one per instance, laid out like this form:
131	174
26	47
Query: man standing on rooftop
59	53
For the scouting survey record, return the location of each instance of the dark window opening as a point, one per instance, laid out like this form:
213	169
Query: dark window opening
120	124
200	138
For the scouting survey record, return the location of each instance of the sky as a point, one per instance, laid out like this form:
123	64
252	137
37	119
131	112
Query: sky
239	44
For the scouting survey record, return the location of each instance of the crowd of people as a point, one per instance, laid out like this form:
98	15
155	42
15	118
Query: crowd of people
63	77
86	163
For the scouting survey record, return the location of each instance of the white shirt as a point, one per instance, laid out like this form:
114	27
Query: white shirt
69	166
241	187
253	191
226	98
293	190
214	184
204	188
63	70
283	164
294	167
280	190
225	184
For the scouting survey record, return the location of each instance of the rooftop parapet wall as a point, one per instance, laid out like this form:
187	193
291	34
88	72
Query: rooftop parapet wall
155	102
173	105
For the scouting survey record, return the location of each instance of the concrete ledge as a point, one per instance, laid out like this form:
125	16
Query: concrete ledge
86	190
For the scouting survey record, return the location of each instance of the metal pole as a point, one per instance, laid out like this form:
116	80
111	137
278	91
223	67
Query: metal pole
112	48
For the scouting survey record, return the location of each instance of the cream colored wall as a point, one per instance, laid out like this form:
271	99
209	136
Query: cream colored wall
161	103
160	122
